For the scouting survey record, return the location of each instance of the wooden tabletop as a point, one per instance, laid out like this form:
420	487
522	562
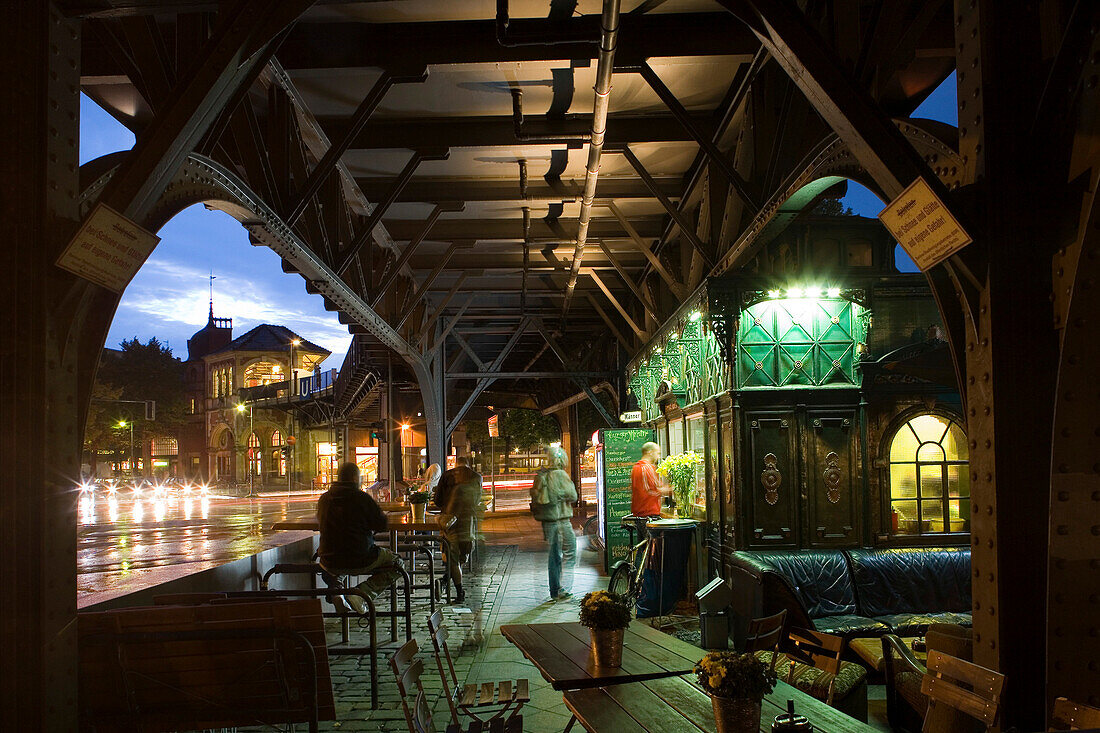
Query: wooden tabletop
562	654
869	650
678	704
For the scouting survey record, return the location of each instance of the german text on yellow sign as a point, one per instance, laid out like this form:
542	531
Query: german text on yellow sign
108	249
923	226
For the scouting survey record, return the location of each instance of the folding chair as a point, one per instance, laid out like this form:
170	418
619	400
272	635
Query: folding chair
408	670
818	650
1070	715
944	685
765	634
467	699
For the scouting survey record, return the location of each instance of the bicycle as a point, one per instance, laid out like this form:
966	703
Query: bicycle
626	576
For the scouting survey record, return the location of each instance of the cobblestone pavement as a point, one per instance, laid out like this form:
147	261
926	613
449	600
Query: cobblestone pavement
510	587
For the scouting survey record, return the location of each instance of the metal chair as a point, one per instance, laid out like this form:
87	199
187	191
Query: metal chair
469	699
944	685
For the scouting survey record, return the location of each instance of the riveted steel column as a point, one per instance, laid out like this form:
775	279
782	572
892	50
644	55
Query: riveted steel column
45	381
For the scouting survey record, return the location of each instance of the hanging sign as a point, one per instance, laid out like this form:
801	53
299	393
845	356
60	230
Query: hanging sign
923	226
631	416
108	249
494	430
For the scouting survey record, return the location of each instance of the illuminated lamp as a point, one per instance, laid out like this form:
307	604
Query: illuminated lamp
773	293
796	293
834	292
813	292
695	315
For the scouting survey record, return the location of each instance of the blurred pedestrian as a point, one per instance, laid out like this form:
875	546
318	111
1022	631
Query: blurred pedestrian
459	495
552	497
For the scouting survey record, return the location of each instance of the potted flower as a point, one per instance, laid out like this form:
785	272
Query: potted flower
736	684
418	503
679	471
606	615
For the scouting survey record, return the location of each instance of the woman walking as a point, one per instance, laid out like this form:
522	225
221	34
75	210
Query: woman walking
552	498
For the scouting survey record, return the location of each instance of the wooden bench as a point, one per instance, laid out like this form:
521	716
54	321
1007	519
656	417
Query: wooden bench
214	665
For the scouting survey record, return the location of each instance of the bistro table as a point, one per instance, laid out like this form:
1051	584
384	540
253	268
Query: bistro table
678	704
562	654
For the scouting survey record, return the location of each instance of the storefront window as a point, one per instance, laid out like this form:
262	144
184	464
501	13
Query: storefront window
675	437
929	477
696	431
326	463
254	454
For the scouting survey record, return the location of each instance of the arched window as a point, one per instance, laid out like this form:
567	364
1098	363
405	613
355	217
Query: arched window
254	453
263	372
276	438
929	477
278	459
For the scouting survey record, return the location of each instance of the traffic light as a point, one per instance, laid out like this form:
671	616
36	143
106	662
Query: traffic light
150	410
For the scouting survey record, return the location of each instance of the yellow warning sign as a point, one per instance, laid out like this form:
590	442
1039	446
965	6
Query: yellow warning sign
108	249
923	226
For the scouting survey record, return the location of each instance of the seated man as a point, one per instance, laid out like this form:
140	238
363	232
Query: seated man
349	518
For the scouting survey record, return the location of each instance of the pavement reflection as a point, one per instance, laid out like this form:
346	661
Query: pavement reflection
123	540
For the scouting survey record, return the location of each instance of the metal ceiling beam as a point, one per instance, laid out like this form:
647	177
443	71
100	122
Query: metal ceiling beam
394	270
469	350
512	229
564	358
687	230
677	287
412	302
650	309
432	190
332	156
487	375
626	344
450	325
618	306
343	44
496	131
533	375
228	62
382	206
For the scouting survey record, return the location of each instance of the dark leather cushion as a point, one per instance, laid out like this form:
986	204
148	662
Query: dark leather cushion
911	580
849	625
820	578
915	624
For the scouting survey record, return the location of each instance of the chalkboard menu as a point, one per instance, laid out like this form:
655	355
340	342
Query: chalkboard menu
620	449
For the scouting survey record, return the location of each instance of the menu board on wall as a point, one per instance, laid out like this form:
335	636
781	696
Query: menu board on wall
621	449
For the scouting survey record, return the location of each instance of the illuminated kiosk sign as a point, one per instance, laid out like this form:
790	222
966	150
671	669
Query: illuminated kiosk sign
618	450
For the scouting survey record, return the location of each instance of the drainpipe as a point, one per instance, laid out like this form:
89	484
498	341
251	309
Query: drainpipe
533	39
531	137
609	34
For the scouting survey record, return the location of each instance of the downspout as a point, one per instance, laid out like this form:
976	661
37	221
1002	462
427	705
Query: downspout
532	137
605	67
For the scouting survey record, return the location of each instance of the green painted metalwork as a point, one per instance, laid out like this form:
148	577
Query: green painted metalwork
800	342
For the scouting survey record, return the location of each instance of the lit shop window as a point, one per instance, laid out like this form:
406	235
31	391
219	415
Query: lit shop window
929	477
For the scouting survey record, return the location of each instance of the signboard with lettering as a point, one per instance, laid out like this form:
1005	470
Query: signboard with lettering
923	226
494	427
631	416
618	451
108	249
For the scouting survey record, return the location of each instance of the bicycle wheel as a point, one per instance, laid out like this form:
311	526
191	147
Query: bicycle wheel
591	526
621	580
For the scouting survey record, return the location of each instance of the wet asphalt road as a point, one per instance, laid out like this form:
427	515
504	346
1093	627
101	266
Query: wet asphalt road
125	542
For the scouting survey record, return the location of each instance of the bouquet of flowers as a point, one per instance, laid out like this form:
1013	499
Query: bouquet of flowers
679	471
419	497
735	676
604	610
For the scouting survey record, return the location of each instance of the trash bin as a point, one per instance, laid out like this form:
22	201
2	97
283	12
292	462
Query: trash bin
664	578
714	600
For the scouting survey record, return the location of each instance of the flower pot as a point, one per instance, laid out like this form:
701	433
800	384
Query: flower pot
417	511
607	646
736	715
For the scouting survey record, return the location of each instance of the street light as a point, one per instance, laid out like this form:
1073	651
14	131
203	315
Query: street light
122	424
240	408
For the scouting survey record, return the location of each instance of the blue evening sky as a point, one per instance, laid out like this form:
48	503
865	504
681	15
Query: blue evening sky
169	296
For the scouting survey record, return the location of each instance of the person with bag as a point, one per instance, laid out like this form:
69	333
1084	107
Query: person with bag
552	497
459	492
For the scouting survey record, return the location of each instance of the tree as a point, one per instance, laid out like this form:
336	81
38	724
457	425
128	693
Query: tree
832	207
529	429
138	372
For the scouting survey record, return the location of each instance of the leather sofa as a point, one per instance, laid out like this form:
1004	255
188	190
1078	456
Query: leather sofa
852	593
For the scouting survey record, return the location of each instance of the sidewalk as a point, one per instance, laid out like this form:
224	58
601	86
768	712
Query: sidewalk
510	588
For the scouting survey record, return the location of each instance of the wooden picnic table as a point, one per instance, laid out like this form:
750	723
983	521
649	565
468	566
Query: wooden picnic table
562	654
678	704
